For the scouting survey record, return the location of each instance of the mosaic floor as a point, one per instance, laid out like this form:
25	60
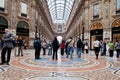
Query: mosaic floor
86	68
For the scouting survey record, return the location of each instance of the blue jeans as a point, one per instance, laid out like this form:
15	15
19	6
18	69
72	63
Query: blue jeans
101	50
79	52
44	51
49	51
70	50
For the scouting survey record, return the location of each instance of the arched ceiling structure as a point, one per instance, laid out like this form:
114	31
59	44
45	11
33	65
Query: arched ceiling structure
60	10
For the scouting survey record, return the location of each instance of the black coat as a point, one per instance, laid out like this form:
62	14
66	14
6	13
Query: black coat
55	44
37	43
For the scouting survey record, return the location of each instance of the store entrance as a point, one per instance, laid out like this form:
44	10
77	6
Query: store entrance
116	30
96	33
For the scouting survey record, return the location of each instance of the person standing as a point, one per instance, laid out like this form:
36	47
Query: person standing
66	46
101	47
0	43
104	49
70	48
25	44
62	47
111	48
20	46
96	45
86	47
50	48
79	48
37	46
7	46
16	45
117	47
55	46
44	46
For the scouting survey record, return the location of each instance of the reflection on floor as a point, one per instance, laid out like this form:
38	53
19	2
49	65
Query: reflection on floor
86	68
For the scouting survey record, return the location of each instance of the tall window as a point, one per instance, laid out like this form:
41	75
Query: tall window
117	6
59	28
2	5
106	10
96	11
23	9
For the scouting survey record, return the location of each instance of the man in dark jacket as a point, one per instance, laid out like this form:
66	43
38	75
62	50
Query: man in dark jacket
55	46
37	46
79	48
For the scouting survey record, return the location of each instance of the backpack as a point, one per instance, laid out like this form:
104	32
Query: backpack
79	44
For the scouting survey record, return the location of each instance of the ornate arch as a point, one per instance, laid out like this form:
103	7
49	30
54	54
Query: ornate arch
116	29
96	25
3	21
22	28
23	24
3	24
116	23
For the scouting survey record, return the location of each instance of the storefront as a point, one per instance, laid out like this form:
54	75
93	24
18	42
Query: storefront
22	30
116	30
3	25
96	33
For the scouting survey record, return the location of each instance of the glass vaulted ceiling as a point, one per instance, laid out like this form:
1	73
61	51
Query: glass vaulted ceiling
60	10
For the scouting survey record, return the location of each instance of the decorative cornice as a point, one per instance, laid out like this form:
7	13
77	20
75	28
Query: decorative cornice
107	1
25	18
115	16
97	19
93	1
4	13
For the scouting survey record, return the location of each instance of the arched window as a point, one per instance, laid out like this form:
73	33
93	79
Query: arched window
116	23
96	33
116	30
96	25
23	25
22	28
3	24
3	21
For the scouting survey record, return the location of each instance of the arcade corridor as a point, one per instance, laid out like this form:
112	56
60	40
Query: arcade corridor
46	19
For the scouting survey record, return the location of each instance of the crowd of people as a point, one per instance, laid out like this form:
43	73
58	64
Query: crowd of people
8	43
68	47
103	48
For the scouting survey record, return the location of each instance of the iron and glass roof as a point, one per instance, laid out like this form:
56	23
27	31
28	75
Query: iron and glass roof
60	10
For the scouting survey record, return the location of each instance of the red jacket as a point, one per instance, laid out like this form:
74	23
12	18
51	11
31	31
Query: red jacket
63	45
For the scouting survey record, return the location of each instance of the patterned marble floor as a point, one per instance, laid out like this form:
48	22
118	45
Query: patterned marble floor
86	68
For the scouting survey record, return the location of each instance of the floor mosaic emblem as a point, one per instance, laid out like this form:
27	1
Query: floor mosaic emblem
69	65
87	68
57	78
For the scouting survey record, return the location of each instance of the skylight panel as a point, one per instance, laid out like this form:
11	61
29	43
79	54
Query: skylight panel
60	10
